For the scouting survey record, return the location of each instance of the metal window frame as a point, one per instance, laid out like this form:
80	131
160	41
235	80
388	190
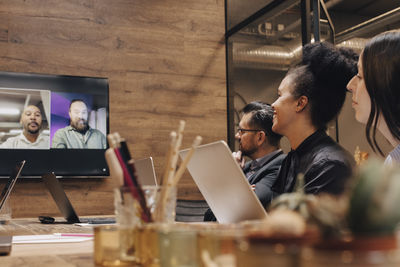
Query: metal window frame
274	9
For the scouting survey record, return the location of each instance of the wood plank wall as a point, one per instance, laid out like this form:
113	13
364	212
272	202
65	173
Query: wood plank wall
165	60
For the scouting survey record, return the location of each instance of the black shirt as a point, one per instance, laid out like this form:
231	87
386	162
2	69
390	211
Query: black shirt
325	164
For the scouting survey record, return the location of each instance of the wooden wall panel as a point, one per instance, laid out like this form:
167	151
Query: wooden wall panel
165	61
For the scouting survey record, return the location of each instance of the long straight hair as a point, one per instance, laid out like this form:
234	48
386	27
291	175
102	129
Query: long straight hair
381	67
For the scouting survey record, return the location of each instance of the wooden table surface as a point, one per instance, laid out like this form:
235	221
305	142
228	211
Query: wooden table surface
80	254
49	254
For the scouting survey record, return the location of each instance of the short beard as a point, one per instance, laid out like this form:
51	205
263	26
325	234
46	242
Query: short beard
34	131
249	152
81	129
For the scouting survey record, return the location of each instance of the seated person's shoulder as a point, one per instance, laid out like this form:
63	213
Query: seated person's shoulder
96	132
45	137
331	152
61	130
9	143
280	157
99	132
276	162
98	138
329	174
59	138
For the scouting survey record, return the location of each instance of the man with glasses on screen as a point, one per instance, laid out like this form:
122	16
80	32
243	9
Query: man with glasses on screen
79	134
258	142
31	136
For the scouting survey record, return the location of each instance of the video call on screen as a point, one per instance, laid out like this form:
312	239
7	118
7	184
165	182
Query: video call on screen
62	112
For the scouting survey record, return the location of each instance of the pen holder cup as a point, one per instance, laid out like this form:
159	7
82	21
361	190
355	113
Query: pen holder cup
129	217
220	246
166	245
128	211
177	246
165	206
107	246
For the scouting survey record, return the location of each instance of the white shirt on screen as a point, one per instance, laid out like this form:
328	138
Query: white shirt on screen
20	141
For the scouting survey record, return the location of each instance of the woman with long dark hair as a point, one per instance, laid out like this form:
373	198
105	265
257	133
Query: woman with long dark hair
309	97
376	91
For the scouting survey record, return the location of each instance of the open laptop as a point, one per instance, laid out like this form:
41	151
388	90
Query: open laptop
64	205
146	175
145	171
10	183
223	184
6	241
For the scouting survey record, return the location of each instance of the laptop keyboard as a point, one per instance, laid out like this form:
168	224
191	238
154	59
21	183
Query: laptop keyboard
103	220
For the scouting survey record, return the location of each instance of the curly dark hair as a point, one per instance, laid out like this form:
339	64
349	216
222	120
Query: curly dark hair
322	77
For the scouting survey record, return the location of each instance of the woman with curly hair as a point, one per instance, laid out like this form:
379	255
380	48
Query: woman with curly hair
309	97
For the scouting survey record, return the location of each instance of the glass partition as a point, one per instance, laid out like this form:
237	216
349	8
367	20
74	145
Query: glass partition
263	46
260	51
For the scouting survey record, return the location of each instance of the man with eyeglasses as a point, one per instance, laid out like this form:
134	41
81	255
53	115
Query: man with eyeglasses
261	145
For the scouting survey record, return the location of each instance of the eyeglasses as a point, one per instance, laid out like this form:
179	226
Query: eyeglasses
241	131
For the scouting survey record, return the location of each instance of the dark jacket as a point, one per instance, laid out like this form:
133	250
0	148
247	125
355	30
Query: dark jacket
264	177
325	164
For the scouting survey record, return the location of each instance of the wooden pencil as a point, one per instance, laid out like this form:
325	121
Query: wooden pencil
174	159
169	157
163	197
181	170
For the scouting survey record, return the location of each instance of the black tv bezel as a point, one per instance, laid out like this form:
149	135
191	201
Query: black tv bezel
69	163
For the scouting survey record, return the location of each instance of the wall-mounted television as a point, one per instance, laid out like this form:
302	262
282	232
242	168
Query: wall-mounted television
56	123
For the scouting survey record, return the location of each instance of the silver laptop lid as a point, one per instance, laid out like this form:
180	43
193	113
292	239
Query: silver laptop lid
5	193
64	205
145	171
223	184
57	192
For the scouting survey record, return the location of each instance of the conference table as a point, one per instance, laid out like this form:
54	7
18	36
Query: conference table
78	254
72	254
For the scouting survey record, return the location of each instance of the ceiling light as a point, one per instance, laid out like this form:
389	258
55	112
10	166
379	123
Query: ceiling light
9	111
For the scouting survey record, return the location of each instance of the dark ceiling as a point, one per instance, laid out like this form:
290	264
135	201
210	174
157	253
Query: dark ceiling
369	8
344	13
348	13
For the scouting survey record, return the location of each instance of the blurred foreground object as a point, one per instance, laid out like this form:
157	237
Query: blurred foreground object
373	203
360	156
325	211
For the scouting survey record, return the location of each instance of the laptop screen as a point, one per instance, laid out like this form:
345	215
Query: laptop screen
10	183
223	184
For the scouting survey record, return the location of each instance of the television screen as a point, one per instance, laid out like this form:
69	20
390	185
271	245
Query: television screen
56	123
